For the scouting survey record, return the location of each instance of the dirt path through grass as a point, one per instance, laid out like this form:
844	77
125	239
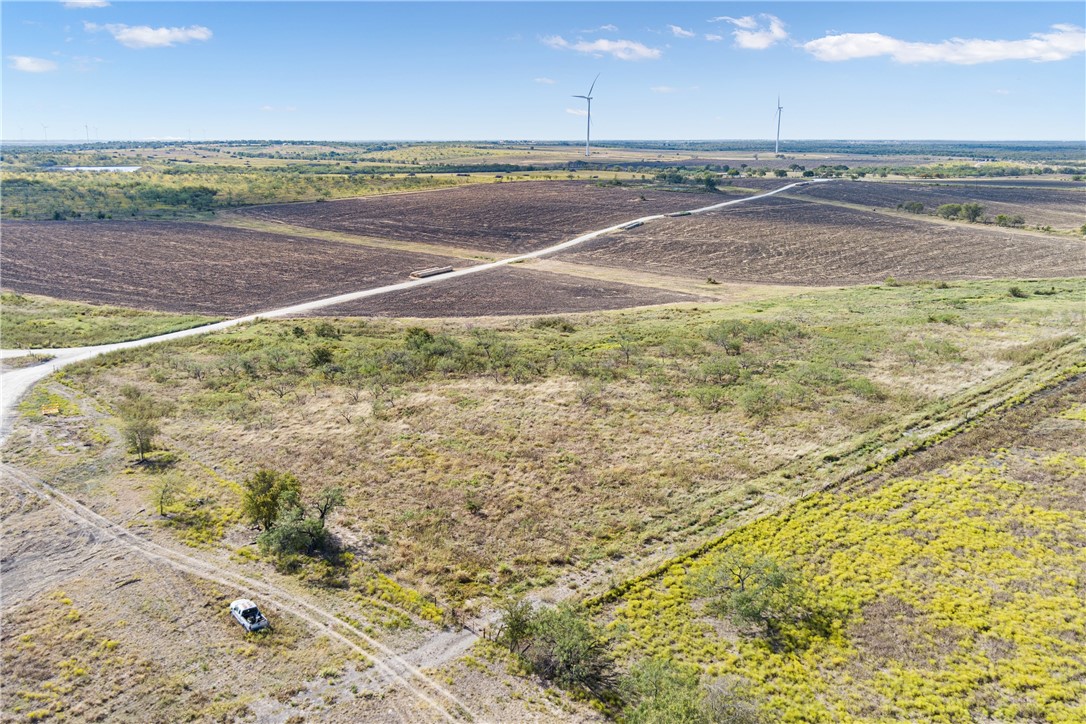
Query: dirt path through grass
392	667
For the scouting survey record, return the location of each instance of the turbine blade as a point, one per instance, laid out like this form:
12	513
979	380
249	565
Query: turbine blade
593	83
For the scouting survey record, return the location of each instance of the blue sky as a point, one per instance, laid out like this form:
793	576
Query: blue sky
503	70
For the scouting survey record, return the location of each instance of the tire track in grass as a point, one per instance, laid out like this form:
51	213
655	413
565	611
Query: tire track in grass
443	702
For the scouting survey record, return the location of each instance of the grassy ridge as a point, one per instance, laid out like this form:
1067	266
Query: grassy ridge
33	322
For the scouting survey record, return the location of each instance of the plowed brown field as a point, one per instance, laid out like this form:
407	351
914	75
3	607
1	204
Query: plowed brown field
506	218
507	291
1063	207
785	241
194	268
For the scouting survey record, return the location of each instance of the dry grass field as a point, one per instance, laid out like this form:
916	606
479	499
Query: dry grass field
501	456
505	218
192	268
1062	206
785	241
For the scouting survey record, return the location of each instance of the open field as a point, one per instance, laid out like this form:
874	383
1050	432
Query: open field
505	218
192	268
488	459
507	291
946	587
1062	208
29	321
786	241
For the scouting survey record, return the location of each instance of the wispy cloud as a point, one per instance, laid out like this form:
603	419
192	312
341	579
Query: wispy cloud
680	32
713	37
81	4
577	111
277	109
28	64
1002	92
621	49
545	81
144	36
608	28
1063	42
755	32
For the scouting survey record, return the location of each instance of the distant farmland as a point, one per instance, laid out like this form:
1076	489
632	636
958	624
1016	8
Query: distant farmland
785	241
1063	207
193	268
503	218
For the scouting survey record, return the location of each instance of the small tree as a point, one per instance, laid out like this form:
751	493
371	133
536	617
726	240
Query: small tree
755	592
139	433
166	489
516	624
267	494
328	499
971	212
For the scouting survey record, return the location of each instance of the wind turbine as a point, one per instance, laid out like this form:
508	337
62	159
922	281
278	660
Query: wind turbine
777	147
588	133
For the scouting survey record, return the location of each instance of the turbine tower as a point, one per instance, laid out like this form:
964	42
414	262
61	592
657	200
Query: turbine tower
588	133
777	146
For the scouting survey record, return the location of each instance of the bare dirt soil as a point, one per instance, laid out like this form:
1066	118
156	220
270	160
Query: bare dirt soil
506	218
786	241
507	291
187	267
1061	207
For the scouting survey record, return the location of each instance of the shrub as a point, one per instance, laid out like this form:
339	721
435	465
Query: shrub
1017	292
267	494
949	211
569	650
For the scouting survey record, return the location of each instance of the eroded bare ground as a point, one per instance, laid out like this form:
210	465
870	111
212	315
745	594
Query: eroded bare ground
188	267
787	241
508	291
107	618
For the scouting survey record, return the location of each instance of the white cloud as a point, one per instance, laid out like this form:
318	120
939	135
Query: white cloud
577	111
747	23
680	32
621	49
277	109
144	36
545	81
663	89
608	28
1064	41
713	37
81	4
27	64
1002	92
755	33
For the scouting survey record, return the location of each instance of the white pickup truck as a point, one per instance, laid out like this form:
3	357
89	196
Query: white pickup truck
248	615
